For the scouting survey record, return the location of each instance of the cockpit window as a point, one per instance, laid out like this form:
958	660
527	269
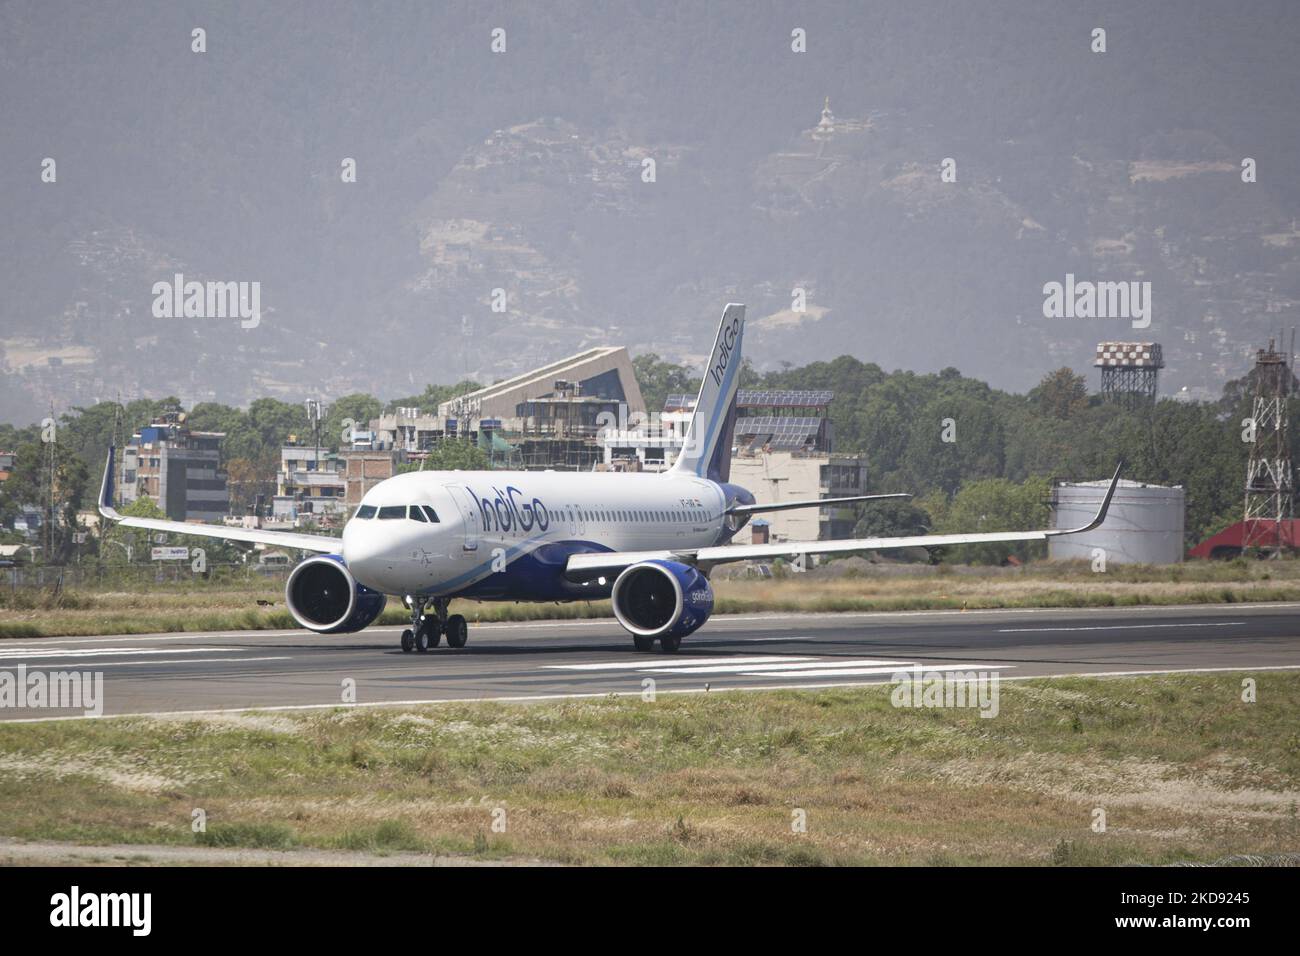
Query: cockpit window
433	515
417	514
392	511
366	511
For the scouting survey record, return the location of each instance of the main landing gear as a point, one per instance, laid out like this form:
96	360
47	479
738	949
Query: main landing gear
426	632
668	644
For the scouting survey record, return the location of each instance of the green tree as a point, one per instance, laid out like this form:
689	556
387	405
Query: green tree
118	541
215	417
1061	393
358	407
954	440
57	492
886	519
658	379
452	456
995	504
245	480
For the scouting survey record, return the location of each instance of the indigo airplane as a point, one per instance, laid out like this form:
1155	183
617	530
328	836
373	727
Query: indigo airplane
646	541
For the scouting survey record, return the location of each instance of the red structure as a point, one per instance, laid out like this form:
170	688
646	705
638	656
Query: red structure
1263	533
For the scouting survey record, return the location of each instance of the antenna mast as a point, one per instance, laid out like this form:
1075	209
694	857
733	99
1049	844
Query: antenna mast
1270	489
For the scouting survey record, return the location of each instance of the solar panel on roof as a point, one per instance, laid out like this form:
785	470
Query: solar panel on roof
679	401
784	398
750	423
779	432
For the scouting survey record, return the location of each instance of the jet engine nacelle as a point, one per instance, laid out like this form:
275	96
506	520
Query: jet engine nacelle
662	598
323	596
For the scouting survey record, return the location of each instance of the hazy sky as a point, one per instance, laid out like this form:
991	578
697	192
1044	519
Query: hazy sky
230	164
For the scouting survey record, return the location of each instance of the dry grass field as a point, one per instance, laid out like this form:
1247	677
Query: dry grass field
1183	769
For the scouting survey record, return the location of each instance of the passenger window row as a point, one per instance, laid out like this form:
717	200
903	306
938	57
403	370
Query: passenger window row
620	514
427	514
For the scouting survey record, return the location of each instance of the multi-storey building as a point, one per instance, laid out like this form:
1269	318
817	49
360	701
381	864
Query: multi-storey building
363	468
311	481
178	468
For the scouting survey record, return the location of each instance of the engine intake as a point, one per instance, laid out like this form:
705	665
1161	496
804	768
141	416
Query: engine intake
324	597
662	598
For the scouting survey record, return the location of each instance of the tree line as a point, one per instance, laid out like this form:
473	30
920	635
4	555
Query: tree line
974	457
978	458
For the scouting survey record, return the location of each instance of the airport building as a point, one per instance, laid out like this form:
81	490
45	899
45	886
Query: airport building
177	468
604	373
776	476
551	417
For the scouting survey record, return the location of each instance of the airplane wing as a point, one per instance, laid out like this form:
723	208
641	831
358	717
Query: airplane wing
323	544
810	503
586	566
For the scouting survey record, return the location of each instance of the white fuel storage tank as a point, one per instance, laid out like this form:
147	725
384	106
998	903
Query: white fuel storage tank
1143	526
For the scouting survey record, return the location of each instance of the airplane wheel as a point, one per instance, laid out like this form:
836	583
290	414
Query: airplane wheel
432	636
643	643
408	641
457	631
670	644
421	639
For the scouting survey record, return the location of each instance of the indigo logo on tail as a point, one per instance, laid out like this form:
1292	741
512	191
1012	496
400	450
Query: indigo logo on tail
726	344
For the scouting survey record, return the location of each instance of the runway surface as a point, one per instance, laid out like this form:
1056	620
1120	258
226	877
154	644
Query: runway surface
232	670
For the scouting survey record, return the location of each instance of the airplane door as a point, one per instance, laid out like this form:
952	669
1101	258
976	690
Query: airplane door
469	514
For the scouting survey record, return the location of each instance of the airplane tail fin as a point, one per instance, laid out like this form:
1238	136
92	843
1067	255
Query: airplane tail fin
707	451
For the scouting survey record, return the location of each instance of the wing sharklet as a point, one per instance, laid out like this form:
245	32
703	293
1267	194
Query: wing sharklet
1100	516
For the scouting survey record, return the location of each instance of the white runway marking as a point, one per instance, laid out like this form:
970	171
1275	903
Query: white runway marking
868	671
24	653
643	663
157	663
788	667
774	640
775	667
1115	627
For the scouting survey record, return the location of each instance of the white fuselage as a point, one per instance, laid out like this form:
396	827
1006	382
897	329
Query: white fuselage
506	534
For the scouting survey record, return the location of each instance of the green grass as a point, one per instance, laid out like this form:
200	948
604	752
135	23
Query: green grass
269	836
1184	769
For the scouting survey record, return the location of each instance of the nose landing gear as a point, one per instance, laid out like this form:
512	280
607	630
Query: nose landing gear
426	632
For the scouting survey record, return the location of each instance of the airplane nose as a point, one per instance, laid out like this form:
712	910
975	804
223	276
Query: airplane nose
388	555
364	553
